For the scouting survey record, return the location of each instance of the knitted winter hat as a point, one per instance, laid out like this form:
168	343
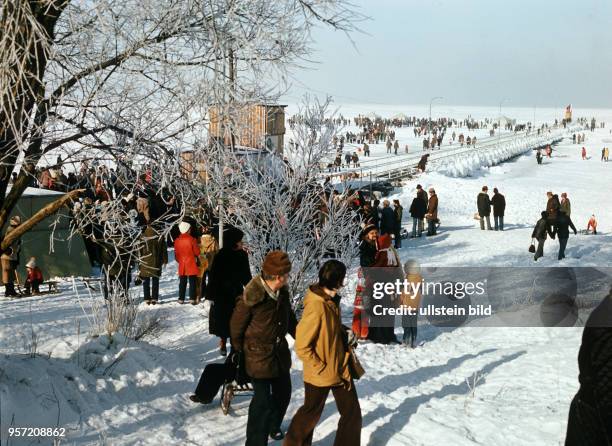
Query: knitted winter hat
184	227
276	263
412	267
31	263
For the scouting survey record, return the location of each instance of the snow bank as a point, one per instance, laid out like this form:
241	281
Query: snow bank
465	164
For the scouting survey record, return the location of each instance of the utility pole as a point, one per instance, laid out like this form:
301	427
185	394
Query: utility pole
430	102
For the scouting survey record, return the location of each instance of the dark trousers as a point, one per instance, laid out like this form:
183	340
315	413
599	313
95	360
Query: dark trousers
562	245
306	418
34	285
183	287
146	287
409	324
540	249
431	227
268	406
499	222
119	285
211	381
398	238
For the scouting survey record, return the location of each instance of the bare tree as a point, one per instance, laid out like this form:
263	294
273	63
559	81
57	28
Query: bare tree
280	203
115	79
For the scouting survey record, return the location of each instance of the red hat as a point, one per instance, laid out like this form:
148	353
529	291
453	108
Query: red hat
276	263
384	241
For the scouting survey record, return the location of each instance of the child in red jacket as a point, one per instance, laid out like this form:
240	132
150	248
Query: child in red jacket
34	279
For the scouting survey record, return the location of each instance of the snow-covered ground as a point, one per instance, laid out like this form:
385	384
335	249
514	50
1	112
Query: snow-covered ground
464	386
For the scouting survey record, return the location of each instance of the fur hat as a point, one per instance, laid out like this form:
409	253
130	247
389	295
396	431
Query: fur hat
184	227
15	221
276	263
369	228
31	263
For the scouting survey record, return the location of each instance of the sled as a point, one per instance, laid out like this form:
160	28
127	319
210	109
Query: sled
231	390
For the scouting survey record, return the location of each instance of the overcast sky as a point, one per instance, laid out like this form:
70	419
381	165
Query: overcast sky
471	52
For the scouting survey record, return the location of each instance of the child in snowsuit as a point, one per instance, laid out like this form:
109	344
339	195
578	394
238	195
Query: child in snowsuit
34	279
411	301
592	224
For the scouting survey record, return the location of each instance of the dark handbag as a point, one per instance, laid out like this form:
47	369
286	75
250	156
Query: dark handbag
532	248
355	367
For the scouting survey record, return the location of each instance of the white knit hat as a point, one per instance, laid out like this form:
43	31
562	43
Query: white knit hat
184	227
31	263
412	267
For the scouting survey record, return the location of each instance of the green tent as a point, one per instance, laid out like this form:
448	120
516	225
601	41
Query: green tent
56	254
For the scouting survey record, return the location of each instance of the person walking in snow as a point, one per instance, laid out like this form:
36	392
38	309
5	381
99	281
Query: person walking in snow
186	251
591	409
606	154
603	154
584	153
411	302
387	219
323	345
418	209
229	275
367	256
483	202
552	207
389	145
499	207
561	230
540	231
396	146
592	224
386	268
10	259
432	212
259	326
566	206
539	156
153	256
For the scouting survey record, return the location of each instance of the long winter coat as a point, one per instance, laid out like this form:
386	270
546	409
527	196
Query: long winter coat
319	341
562	225
590	413
186	250
552	207
399	214
432	207
499	204
418	208
541	229
566	207
367	254
229	274
259	327
387	221
484	204
153	254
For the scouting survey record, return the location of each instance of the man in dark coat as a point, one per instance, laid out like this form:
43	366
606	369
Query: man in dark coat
499	207
261	321
153	255
229	275
591	409
418	208
398	211
484	208
561	229
539	233
387	221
